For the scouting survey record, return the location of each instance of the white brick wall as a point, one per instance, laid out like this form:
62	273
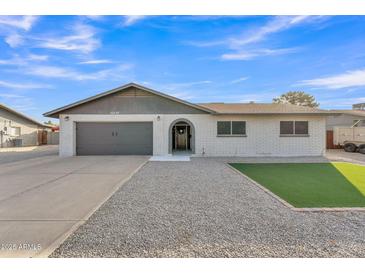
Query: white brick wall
262	134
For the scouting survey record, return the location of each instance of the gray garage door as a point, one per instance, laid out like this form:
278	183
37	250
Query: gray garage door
127	138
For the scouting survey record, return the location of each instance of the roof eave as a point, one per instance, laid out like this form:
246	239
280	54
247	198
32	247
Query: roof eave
55	113
23	116
273	113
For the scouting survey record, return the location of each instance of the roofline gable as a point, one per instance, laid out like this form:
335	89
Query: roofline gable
121	88
23	116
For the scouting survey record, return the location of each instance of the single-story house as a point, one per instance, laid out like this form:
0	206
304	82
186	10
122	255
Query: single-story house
346	118
17	129
135	120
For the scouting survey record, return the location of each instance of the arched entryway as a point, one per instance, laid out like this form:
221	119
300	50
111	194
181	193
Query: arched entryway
181	137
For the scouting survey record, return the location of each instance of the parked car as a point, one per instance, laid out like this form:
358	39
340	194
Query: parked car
354	146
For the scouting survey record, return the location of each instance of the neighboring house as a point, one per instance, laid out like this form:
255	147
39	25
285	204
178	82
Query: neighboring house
16	129
346	118
360	106
133	119
343	121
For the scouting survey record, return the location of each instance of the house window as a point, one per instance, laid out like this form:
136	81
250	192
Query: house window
224	128
238	127
286	127
231	128
301	127
293	128
15	131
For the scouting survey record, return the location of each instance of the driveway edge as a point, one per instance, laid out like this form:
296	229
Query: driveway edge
298	209
52	247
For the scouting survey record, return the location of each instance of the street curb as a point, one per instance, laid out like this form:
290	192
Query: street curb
297	209
52	247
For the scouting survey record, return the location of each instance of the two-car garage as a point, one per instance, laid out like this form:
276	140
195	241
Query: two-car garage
114	138
128	120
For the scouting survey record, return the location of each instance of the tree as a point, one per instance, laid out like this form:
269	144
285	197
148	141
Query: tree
299	98
50	123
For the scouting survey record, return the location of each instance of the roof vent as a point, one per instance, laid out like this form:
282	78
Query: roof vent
252	102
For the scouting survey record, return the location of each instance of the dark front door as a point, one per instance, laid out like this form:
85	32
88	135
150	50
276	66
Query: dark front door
329	139
122	138
181	137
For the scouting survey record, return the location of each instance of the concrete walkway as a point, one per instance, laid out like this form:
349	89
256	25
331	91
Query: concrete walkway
43	200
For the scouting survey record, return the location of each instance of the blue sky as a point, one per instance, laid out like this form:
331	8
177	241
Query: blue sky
49	61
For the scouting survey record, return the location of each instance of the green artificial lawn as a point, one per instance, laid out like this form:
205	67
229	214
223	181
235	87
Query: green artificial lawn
311	185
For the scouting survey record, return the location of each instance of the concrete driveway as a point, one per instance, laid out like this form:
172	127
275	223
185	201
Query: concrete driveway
13	154
43	200
341	155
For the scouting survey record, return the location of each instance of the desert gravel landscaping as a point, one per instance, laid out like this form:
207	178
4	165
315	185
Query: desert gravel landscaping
203	208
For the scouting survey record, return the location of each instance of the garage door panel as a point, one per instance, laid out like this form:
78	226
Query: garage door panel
124	138
97	149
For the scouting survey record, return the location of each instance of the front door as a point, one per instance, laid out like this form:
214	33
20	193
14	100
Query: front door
181	137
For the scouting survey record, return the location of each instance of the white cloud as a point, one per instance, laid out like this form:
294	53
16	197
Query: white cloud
14	40
354	78
132	19
243	44
20	22
82	39
18	102
95	17
36	57
69	73
277	24
204	44
10	96
23	61
23	86
174	86
15	61
94	62
241	79
257	34
248	55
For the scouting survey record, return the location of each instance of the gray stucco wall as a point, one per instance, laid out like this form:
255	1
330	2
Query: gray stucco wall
133	101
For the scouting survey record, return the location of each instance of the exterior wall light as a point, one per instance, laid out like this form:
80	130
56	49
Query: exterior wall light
158	118
67	118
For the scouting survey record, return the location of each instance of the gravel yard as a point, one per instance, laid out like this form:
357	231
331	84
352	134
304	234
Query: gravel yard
202	208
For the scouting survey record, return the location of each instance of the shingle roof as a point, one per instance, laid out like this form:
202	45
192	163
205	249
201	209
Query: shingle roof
54	112
256	108
212	108
354	112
